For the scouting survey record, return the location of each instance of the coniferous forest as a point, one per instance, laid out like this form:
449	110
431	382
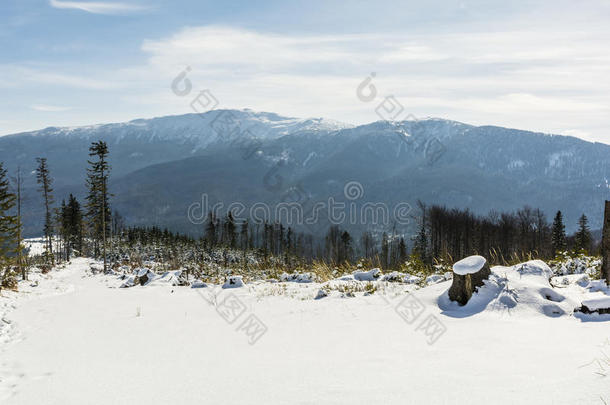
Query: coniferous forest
441	234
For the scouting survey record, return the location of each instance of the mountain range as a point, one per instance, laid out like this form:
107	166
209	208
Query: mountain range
164	167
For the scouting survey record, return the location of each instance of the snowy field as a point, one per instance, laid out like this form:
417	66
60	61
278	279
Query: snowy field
73	337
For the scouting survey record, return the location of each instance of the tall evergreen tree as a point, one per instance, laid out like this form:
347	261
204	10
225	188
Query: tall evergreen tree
98	209
402	251
210	230
20	262
72	225
243	235
8	231
43	177
346	247
230	235
62	229
558	234
420	246
385	251
582	238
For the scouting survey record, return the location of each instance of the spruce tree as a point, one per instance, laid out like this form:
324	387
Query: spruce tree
346	247
243	235
43	177
385	251
558	234
420	246
8	231
230	238
62	229
20	262
210	230
98	209
582	238
402	251
72	224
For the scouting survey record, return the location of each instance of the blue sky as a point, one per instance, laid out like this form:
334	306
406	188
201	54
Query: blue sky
535	65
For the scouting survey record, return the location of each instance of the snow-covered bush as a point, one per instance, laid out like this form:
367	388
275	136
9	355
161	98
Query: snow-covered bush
233	282
198	284
298	277
567	263
370	275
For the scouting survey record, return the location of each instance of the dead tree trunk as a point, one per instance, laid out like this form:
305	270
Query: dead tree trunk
606	244
468	275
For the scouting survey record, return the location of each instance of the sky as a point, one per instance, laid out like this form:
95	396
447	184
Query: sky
535	65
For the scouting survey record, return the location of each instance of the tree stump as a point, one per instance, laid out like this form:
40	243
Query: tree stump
468	275
606	244
600	305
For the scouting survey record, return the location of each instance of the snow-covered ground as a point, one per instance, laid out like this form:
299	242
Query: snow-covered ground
34	246
77	338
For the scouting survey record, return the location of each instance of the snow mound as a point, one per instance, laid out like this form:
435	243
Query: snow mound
320	294
597	303
469	265
598	285
298	277
96	268
370	275
198	284
233	282
434	279
523	289
410	279
394	277
144	276
581	280
399	277
129	281
174	278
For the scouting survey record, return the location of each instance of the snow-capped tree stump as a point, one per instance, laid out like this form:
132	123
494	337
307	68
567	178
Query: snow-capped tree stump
468	274
600	305
606	244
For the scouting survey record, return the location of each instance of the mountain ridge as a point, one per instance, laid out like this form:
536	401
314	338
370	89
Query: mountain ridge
436	160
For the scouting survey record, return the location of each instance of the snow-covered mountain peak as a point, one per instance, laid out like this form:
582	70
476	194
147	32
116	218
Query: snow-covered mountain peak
202	128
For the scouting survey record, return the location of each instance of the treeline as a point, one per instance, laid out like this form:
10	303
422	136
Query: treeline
268	238
153	235
443	234
67	229
451	233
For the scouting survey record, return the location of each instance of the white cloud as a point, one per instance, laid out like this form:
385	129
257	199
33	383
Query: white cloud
49	108
15	76
548	79
538	80
97	7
